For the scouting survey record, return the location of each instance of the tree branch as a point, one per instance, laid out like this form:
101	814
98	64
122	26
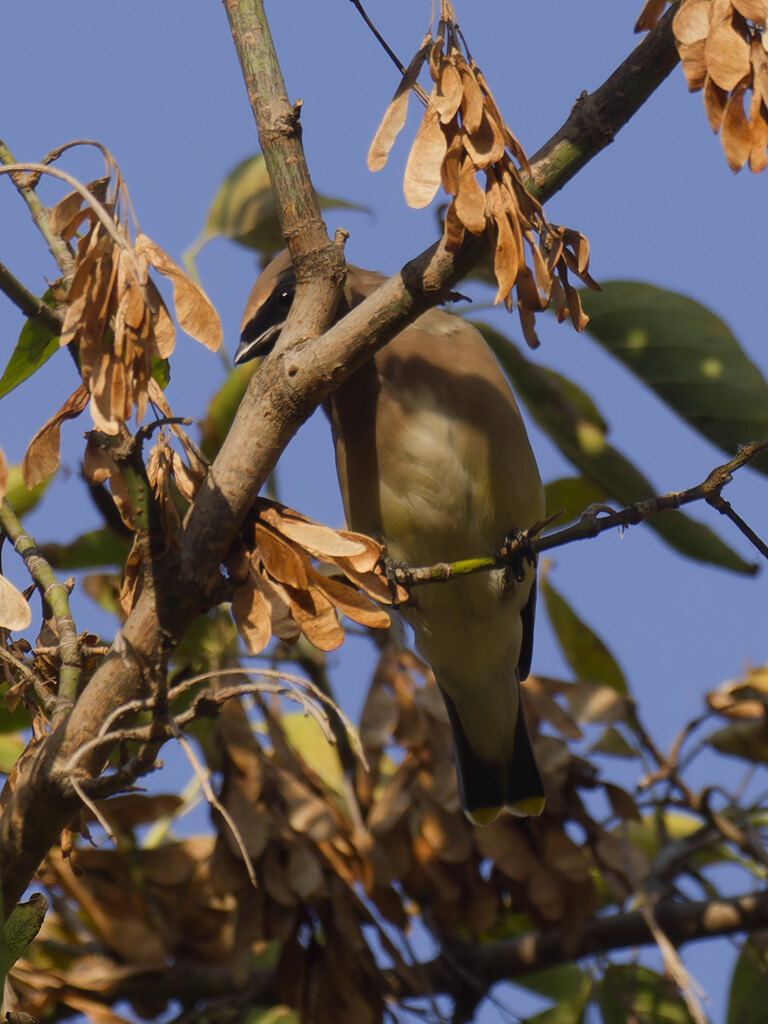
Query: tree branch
464	966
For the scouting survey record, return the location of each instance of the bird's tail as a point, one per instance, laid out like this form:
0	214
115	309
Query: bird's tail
485	787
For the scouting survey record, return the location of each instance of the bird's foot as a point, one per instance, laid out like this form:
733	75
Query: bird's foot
399	577
517	551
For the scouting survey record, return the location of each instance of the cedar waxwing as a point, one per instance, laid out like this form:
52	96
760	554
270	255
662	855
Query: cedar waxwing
433	460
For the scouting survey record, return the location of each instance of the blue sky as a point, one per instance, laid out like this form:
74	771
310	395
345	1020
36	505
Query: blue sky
159	85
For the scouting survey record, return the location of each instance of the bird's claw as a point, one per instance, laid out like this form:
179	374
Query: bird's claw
516	550
398	576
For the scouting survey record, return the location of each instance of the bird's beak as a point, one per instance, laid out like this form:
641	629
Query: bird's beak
255	342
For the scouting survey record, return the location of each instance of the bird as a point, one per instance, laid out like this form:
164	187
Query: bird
433	459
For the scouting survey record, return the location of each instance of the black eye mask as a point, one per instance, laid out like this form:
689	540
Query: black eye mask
263	329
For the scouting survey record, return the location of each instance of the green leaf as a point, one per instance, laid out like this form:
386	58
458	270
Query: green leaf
563	982
271	1015
585	445
567	985
687	355
35	346
244	210
584	651
161	371
632	992
90	550
612	742
18	496
11	749
23	925
746	740
306	736
746	1002
222	409
572	494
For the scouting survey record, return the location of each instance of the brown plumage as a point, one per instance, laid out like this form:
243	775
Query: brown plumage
433	459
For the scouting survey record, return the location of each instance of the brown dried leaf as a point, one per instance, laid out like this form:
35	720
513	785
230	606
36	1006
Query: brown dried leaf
133	579
485	146
759	60
727	56
194	311
758	121
379	717
252	614
649	15
694	64
470	200
736	135
619	855
715	99
754	10
305	876
351	602
422	172
319	625
472	99
98	467
42	456
282	560
284	625
543	706
451	166
691	23
395	114
307	813
506	845
320	541
453	230
449	90
448	835
15	612
507	258
622	803
561	853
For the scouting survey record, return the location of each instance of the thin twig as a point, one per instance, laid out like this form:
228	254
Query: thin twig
591	524
210	796
117	235
417	89
40	217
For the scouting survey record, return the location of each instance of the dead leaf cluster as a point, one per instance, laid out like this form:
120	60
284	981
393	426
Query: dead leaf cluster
331	875
463	134
114	318
744	705
279	592
724	51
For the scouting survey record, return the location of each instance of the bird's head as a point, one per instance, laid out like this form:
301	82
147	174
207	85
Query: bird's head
266	309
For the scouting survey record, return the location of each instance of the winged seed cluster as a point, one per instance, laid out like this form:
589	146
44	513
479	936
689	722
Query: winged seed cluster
278	590
463	134
724	51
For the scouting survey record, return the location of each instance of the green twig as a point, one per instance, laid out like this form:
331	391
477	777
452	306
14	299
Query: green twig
31	305
56	594
59	249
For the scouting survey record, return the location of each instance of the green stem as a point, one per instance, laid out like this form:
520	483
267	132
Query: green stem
31	305
56	594
59	249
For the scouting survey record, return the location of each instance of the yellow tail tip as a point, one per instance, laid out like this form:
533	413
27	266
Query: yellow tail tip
531	806
483	815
